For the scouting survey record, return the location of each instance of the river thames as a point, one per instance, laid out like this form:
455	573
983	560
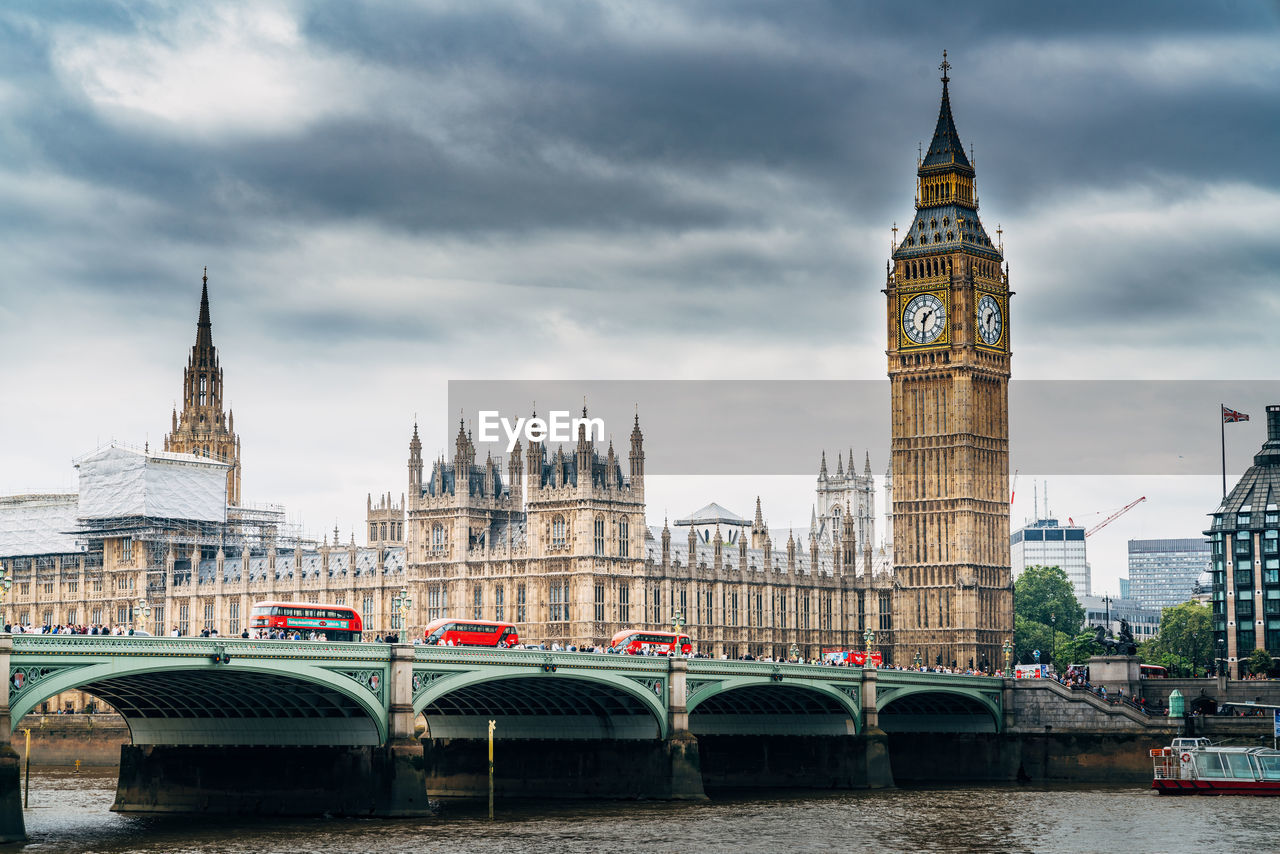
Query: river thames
69	812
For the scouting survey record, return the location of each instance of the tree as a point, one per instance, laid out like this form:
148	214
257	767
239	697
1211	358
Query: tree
1185	642
1041	591
1260	662
1044	601
1078	649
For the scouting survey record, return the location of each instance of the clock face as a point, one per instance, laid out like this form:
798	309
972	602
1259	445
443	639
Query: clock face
924	319
990	320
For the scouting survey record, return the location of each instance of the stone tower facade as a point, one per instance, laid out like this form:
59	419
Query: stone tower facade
840	495
949	363
203	428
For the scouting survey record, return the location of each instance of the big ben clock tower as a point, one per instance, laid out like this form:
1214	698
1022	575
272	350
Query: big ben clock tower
948	333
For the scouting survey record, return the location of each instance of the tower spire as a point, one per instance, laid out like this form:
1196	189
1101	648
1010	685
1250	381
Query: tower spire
945	149
204	327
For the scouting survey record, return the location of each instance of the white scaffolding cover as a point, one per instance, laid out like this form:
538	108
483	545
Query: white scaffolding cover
37	524
121	481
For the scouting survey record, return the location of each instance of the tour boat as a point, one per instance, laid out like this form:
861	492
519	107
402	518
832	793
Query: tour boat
1192	766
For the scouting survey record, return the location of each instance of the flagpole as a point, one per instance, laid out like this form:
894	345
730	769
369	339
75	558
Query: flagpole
1222	428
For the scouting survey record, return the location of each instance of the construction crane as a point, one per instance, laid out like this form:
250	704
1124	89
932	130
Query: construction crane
1114	516
1013	490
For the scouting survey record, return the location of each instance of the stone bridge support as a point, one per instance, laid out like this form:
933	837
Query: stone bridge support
12	825
876	772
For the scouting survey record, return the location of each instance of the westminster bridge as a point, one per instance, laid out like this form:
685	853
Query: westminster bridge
237	725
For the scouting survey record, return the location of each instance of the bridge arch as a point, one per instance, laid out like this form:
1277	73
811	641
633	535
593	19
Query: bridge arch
759	705
934	708
527	704
245	702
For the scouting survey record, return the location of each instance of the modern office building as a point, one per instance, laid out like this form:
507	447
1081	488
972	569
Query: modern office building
1244	544
1045	542
1163	573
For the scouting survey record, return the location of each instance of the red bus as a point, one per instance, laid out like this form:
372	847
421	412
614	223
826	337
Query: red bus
635	642
449	632
1152	671
335	622
854	657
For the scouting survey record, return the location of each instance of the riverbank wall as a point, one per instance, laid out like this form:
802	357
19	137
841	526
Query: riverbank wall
93	740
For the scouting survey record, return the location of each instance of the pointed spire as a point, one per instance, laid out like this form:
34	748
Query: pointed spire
759	520
840	464
204	327
946	148
866	469
822	469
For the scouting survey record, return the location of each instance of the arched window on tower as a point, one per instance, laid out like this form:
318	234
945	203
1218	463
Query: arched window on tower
437	537
624	537
599	538
558	538
203	390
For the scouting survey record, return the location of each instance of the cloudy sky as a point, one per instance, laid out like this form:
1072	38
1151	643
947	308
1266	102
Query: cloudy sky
390	196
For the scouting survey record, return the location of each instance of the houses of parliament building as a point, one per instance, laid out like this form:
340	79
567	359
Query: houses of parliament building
557	541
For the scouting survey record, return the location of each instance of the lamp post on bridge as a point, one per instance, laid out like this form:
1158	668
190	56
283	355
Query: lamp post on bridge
400	605
677	622
141	611
919	660
1221	660
6	583
794	653
1053	640
869	637
1008	657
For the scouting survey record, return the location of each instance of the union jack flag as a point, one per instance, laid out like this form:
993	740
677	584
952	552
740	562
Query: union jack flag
1230	416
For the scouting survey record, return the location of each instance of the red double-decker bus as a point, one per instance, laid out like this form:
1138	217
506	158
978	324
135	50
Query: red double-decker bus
449	632
638	642
335	622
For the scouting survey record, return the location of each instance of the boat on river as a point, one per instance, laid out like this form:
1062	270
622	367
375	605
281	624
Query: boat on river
1193	766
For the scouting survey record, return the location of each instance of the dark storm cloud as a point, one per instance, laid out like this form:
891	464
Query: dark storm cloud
611	121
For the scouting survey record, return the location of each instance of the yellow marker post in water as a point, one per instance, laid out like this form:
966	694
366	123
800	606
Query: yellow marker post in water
26	785
492	724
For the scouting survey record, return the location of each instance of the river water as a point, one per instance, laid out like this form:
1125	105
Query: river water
69	812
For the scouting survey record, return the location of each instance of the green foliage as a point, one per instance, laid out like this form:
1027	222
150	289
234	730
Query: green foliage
1259	662
1043	600
1044	591
1077	650
1185	642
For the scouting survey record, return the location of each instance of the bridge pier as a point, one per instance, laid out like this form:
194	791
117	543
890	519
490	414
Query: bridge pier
13	826
876	771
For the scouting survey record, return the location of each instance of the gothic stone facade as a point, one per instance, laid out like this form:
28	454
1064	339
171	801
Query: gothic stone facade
573	562
948	334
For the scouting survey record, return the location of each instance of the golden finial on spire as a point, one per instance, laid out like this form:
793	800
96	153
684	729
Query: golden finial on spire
945	67
1000	237
894	244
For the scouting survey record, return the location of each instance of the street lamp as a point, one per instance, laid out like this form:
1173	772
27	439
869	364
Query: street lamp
400	605
1008	657
140	613
5	584
794	652
869	637
1053	640
1222	658
677	622
919	660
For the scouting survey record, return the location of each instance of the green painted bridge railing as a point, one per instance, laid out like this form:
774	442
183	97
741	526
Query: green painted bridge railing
235	691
